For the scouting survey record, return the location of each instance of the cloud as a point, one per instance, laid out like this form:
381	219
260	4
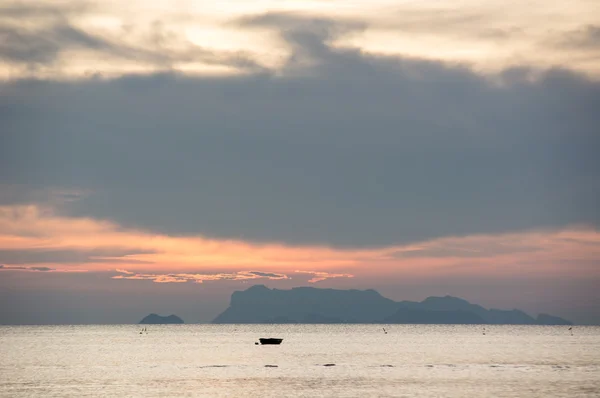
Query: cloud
319	168
304	32
199	278
237	276
584	38
49	42
29	234
319	276
44	41
44	46
569	252
17	10
358	150
309	38
64	40
36	269
269	275
62	256
11	267
442	21
124	271
44	269
23	193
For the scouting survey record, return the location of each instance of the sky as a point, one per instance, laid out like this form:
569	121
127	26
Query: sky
157	156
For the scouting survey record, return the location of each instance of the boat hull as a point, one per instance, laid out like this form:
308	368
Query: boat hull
270	341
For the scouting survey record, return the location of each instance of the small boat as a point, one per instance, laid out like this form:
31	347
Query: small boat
270	341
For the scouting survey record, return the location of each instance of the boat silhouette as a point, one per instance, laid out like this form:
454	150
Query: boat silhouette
270	340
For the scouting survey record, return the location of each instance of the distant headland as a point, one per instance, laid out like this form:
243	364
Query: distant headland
259	304
154	319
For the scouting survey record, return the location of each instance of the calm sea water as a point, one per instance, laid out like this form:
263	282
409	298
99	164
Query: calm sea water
222	360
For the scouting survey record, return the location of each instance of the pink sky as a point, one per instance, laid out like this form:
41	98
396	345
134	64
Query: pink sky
571	251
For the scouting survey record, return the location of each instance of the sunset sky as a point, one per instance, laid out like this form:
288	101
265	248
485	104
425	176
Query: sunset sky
156	156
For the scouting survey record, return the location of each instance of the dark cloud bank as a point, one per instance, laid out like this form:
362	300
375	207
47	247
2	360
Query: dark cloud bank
338	147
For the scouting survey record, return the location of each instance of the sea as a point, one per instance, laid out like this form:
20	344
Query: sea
312	361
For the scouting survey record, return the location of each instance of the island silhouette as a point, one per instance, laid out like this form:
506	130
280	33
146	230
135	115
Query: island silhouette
154	319
259	304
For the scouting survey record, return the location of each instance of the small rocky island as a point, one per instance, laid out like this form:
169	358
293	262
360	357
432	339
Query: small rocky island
259	304
154	319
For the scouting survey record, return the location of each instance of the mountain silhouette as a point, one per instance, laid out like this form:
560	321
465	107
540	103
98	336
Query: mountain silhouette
259	304
154	319
545	319
491	316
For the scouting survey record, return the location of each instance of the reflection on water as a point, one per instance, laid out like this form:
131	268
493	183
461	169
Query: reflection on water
313	360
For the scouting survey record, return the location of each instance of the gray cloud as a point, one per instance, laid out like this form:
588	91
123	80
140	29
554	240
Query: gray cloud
44	269
309	38
454	23
268	274
469	250
347	148
21	268
37	256
20	9
292	25
2	266
45	44
585	38
20	43
25	193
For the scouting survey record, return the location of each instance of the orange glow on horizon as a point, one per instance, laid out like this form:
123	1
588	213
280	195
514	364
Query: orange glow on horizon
136	254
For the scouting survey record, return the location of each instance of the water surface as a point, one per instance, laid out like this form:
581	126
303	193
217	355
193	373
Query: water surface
222	360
